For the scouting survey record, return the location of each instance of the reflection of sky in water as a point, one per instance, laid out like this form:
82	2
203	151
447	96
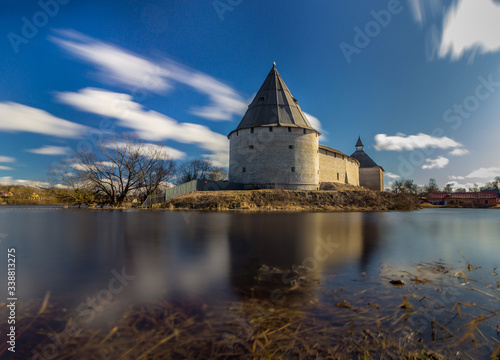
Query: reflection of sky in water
72	252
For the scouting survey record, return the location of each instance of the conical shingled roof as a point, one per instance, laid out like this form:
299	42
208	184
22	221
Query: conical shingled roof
274	105
364	160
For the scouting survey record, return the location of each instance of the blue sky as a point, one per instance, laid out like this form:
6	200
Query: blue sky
419	80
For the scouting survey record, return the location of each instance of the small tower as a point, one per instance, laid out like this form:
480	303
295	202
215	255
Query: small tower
371	175
359	144
274	145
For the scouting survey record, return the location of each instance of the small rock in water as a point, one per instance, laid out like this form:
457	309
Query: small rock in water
397	282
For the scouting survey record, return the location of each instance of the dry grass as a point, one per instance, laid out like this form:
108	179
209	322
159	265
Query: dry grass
290	200
439	313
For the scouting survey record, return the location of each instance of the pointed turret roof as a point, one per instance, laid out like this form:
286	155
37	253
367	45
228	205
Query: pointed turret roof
274	105
364	160
359	143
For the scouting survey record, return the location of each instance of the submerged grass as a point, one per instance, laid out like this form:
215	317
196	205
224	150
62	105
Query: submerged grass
439	313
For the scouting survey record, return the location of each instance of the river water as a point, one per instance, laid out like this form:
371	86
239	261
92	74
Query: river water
180	256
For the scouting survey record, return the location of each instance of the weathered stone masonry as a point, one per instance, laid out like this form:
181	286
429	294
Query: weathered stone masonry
275	146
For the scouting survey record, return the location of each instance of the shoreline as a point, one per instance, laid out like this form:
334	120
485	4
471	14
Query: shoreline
292	201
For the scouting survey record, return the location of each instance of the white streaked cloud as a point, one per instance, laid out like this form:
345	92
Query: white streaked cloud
485	173
316	124
401	142
21	118
9	180
468	185
470	26
148	124
50	150
116	65
164	152
121	67
438	163
225	101
459	152
391	175
453	177
422	9
5	167
7	159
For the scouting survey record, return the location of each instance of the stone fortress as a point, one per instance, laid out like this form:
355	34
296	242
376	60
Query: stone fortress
275	146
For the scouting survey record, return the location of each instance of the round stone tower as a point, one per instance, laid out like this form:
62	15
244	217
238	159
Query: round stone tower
274	145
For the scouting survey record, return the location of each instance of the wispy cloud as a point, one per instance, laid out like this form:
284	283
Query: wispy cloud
163	152
453	177
5	167
422	9
121	67
148	124
6	159
115	65
471	25
459	152
438	163
391	175
420	141
50	150
20	118
315	123
485	173
468	185
9	180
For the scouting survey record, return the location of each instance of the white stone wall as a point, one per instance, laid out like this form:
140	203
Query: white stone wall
352	170
265	159
339	168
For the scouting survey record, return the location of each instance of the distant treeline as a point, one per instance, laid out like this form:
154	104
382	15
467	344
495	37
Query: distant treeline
402	186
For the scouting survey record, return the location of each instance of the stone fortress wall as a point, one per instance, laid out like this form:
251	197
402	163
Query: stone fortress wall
372	178
335	166
275	157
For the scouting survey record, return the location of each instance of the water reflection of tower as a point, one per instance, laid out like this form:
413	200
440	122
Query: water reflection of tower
371	238
323	242
256	239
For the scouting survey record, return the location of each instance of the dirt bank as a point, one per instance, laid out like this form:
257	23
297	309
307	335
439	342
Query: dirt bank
344	198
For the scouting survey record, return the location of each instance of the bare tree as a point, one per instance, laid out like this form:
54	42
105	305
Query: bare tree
197	169
403	186
474	188
447	188
432	186
218	174
494	185
67	187
156	180
118	167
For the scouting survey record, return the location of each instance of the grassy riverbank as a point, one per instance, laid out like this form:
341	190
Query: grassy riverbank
433	312
343	198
